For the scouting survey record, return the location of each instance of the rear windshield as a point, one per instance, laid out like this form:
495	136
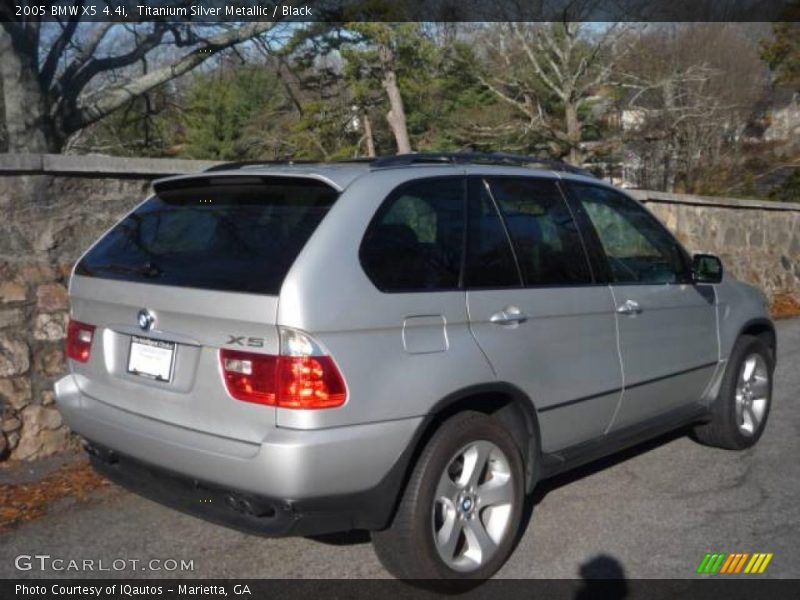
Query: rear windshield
230	234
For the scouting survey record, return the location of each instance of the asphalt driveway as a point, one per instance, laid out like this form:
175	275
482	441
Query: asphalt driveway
651	513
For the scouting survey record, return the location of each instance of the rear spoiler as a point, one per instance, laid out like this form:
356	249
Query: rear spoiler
183	182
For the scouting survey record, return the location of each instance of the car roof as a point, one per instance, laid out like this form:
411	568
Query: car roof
340	175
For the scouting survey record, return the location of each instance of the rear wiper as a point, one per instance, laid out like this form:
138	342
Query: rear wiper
147	269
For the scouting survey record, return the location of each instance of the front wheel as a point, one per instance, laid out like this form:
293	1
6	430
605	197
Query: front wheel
460	513
740	412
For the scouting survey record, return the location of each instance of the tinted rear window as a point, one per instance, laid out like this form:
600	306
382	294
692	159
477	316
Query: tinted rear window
230	234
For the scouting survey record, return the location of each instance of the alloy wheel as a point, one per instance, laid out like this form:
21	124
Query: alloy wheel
752	394
473	505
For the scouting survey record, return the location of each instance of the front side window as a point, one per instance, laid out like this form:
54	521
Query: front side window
545	236
416	240
638	248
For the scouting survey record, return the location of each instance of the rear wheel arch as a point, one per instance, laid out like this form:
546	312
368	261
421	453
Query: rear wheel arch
503	401
440	529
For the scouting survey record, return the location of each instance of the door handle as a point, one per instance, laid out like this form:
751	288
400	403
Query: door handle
510	315
629	308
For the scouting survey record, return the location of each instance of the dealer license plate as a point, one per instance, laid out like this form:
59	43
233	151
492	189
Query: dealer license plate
151	358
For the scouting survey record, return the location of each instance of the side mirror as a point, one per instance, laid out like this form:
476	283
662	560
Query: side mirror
706	268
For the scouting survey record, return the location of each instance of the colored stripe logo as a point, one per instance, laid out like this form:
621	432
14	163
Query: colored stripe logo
734	563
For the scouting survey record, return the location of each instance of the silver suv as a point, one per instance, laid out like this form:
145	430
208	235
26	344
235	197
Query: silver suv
405	345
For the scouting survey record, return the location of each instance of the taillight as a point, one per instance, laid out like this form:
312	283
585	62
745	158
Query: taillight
303	376
249	376
309	382
79	340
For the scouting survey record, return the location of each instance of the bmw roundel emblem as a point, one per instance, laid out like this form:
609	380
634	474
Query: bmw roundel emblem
146	319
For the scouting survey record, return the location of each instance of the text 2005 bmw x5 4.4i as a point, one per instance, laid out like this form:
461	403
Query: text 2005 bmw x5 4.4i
405	345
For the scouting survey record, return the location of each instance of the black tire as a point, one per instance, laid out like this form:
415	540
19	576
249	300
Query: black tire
723	430
407	549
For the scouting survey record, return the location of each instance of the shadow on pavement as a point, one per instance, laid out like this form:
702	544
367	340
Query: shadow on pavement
345	538
353	538
573	475
603	577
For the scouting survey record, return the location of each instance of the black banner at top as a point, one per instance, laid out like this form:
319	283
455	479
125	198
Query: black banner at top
183	11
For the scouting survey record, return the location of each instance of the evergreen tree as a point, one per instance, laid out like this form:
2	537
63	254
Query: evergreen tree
782	52
227	110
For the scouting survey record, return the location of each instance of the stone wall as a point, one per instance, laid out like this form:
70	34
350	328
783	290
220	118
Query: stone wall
54	206
758	241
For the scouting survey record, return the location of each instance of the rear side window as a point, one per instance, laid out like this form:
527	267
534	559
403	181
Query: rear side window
229	234
415	241
546	240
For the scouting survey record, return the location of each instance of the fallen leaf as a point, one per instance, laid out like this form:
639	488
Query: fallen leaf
28	501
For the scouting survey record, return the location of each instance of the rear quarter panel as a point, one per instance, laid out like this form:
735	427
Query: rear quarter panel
327	294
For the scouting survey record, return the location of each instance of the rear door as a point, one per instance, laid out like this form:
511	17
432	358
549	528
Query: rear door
535	309
195	268
667	324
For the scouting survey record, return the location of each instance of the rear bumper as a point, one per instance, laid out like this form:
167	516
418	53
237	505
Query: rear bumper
314	481
247	512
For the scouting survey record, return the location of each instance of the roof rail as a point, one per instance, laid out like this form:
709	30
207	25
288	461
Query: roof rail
400	160
484	158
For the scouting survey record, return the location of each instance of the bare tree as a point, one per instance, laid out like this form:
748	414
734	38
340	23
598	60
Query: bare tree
690	89
52	92
547	72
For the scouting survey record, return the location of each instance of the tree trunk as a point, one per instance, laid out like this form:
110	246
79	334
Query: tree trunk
28	123
368	135
671	152
670	164
573	133
396	117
